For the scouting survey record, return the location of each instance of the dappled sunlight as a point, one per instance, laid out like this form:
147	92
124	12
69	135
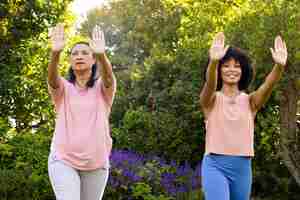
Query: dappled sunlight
80	7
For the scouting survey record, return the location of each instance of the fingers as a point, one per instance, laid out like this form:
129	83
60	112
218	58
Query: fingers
278	43
50	31
97	33
272	51
222	39
61	31
94	36
102	36
57	32
219	39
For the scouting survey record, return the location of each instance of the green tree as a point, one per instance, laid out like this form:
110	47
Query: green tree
23	59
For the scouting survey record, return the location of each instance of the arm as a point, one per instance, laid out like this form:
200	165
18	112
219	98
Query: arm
207	94
98	46
259	97
216	53
53	80
106	72
107	77
57	44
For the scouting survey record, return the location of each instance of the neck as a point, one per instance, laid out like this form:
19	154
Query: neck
230	90
82	77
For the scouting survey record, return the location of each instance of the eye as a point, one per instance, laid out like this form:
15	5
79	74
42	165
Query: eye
85	52
74	53
237	66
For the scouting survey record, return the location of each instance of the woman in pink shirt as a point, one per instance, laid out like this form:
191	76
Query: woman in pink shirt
229	118
78	163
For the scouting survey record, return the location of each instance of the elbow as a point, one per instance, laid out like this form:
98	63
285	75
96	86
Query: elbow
203	102
53	81
108	82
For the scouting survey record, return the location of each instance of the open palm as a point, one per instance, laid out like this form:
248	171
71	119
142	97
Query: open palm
57	37
279	53
97	43
217	49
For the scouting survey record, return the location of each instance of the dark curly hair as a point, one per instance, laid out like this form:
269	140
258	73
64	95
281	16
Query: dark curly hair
247	71
71	76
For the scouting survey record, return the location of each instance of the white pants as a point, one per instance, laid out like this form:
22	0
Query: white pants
72	184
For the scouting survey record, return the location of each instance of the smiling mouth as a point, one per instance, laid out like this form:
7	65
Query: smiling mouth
232	75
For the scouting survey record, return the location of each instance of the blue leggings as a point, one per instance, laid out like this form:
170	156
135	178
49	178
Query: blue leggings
226	177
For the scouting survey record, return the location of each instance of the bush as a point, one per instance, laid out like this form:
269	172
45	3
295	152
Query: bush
162	134
23	172
136	176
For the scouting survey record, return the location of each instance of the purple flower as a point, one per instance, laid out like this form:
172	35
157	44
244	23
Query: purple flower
167	178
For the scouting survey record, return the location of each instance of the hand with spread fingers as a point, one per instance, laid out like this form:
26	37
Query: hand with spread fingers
217	49
97	43
57	37
279	53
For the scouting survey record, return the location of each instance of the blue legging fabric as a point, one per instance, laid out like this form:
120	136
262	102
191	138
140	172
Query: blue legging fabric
226	177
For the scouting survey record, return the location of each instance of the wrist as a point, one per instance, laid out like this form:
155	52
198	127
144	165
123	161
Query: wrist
279	68
56	52
213	62
100	56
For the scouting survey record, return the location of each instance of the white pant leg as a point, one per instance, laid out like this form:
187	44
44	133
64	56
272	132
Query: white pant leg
64	179
93	183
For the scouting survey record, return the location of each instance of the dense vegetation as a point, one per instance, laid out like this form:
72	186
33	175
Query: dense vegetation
159	51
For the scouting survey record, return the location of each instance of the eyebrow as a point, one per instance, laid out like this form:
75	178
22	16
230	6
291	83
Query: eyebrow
83	50
237	64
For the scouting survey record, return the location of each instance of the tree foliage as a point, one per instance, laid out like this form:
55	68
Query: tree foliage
159	50
23	59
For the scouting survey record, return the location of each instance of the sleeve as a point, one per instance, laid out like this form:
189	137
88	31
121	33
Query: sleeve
57	94
108	93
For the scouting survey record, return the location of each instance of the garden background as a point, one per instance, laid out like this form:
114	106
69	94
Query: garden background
159	51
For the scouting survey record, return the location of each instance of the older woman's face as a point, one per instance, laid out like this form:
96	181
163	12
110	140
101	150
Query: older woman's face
231	72
82	57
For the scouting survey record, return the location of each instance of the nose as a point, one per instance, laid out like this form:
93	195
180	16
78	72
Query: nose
79	57
232	68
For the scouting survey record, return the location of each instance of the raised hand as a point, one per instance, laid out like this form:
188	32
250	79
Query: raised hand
279	53
97	43
217	50
57	37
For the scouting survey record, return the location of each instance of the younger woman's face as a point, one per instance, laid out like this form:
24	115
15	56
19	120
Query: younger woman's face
82	58
231	72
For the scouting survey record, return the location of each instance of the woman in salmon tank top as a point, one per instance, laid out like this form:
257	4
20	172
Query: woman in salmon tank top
229	118
78	163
